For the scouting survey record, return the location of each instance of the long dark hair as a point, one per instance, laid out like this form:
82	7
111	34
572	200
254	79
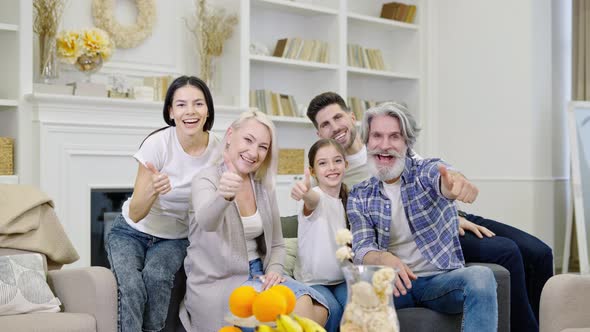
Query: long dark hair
178	83
343	195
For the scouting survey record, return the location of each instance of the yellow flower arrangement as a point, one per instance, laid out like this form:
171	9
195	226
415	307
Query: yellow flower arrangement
89	42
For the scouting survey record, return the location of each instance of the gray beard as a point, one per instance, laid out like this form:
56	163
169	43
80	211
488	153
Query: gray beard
385	173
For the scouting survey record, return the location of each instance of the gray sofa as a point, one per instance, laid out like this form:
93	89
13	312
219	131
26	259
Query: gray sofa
411	319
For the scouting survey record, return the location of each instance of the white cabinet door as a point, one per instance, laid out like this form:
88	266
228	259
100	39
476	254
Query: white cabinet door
287	205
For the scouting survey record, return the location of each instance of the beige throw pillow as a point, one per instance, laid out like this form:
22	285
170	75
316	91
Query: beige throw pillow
23	286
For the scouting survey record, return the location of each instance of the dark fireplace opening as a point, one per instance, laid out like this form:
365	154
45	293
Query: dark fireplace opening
105	206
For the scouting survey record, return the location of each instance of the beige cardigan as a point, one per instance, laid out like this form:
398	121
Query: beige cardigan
28	222
217	258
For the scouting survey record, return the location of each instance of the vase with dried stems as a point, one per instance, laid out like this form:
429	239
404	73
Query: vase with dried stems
48	14
211	27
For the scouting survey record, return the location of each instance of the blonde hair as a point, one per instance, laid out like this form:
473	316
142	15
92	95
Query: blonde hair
267	171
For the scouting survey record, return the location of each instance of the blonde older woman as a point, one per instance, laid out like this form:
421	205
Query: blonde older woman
235	231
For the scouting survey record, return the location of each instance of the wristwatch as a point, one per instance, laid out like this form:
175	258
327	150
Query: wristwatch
462	214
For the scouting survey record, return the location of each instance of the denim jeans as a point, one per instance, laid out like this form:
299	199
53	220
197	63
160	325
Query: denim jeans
470	290
336	297
298	288
144	267
528	259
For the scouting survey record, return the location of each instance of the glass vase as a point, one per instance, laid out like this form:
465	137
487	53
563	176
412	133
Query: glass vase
48	70
369	305
89	64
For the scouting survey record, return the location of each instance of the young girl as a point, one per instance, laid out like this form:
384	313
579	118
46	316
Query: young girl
148	241
322	215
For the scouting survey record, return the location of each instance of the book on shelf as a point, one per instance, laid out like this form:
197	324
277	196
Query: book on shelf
365	58
398	12
358	106
273	103
280	48
305	50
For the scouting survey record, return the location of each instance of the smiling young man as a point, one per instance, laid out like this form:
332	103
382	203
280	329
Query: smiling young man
404	216
529	260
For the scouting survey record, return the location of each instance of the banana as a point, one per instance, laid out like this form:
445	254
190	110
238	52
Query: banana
264	328
287	324
308	325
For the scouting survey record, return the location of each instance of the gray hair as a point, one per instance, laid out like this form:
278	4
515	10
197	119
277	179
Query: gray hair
408	125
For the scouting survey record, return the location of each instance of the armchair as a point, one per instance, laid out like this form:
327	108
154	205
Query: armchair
564	304
89	302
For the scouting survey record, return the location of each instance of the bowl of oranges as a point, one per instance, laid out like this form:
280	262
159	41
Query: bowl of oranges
249	308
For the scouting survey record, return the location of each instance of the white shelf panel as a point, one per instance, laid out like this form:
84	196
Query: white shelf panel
354	71
294	7
287	119
8	102
291	119
8	179
8	27
293	63
381	22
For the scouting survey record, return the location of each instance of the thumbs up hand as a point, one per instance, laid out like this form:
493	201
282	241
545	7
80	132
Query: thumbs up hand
455	186
160	181
230	181
302	188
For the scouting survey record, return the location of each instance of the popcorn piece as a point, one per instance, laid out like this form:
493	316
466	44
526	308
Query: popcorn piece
364	295
344	253
383	279
343	237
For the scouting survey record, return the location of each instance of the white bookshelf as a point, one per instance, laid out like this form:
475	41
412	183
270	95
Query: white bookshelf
340	23
15	70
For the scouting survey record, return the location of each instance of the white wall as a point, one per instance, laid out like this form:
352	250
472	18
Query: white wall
499	98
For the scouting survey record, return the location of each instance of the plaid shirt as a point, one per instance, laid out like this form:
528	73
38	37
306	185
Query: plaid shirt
432	217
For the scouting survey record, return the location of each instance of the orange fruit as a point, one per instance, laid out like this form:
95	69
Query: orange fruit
240	301
229	329
289	296
268	305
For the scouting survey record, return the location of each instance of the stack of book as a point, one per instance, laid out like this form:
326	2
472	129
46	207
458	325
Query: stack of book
273	103
359	106
305	50
365	57
399	12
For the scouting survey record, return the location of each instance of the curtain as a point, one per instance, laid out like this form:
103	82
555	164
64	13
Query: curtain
581	51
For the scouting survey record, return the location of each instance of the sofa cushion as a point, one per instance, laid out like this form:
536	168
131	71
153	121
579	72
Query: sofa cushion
289	225
23	286
291	256
60	321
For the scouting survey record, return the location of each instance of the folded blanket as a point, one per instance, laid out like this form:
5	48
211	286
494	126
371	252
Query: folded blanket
28	222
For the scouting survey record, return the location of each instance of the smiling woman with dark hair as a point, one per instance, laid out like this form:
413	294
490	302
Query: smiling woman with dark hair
148	241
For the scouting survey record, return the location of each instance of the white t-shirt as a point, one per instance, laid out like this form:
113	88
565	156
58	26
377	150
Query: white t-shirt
401	240
168	216
357	170
316	241
252	229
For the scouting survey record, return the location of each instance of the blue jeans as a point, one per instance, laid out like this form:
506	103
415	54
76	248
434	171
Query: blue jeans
336	297
298	288
528	259
470	290
144	267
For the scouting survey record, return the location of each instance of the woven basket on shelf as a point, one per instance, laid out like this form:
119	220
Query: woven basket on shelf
6	156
